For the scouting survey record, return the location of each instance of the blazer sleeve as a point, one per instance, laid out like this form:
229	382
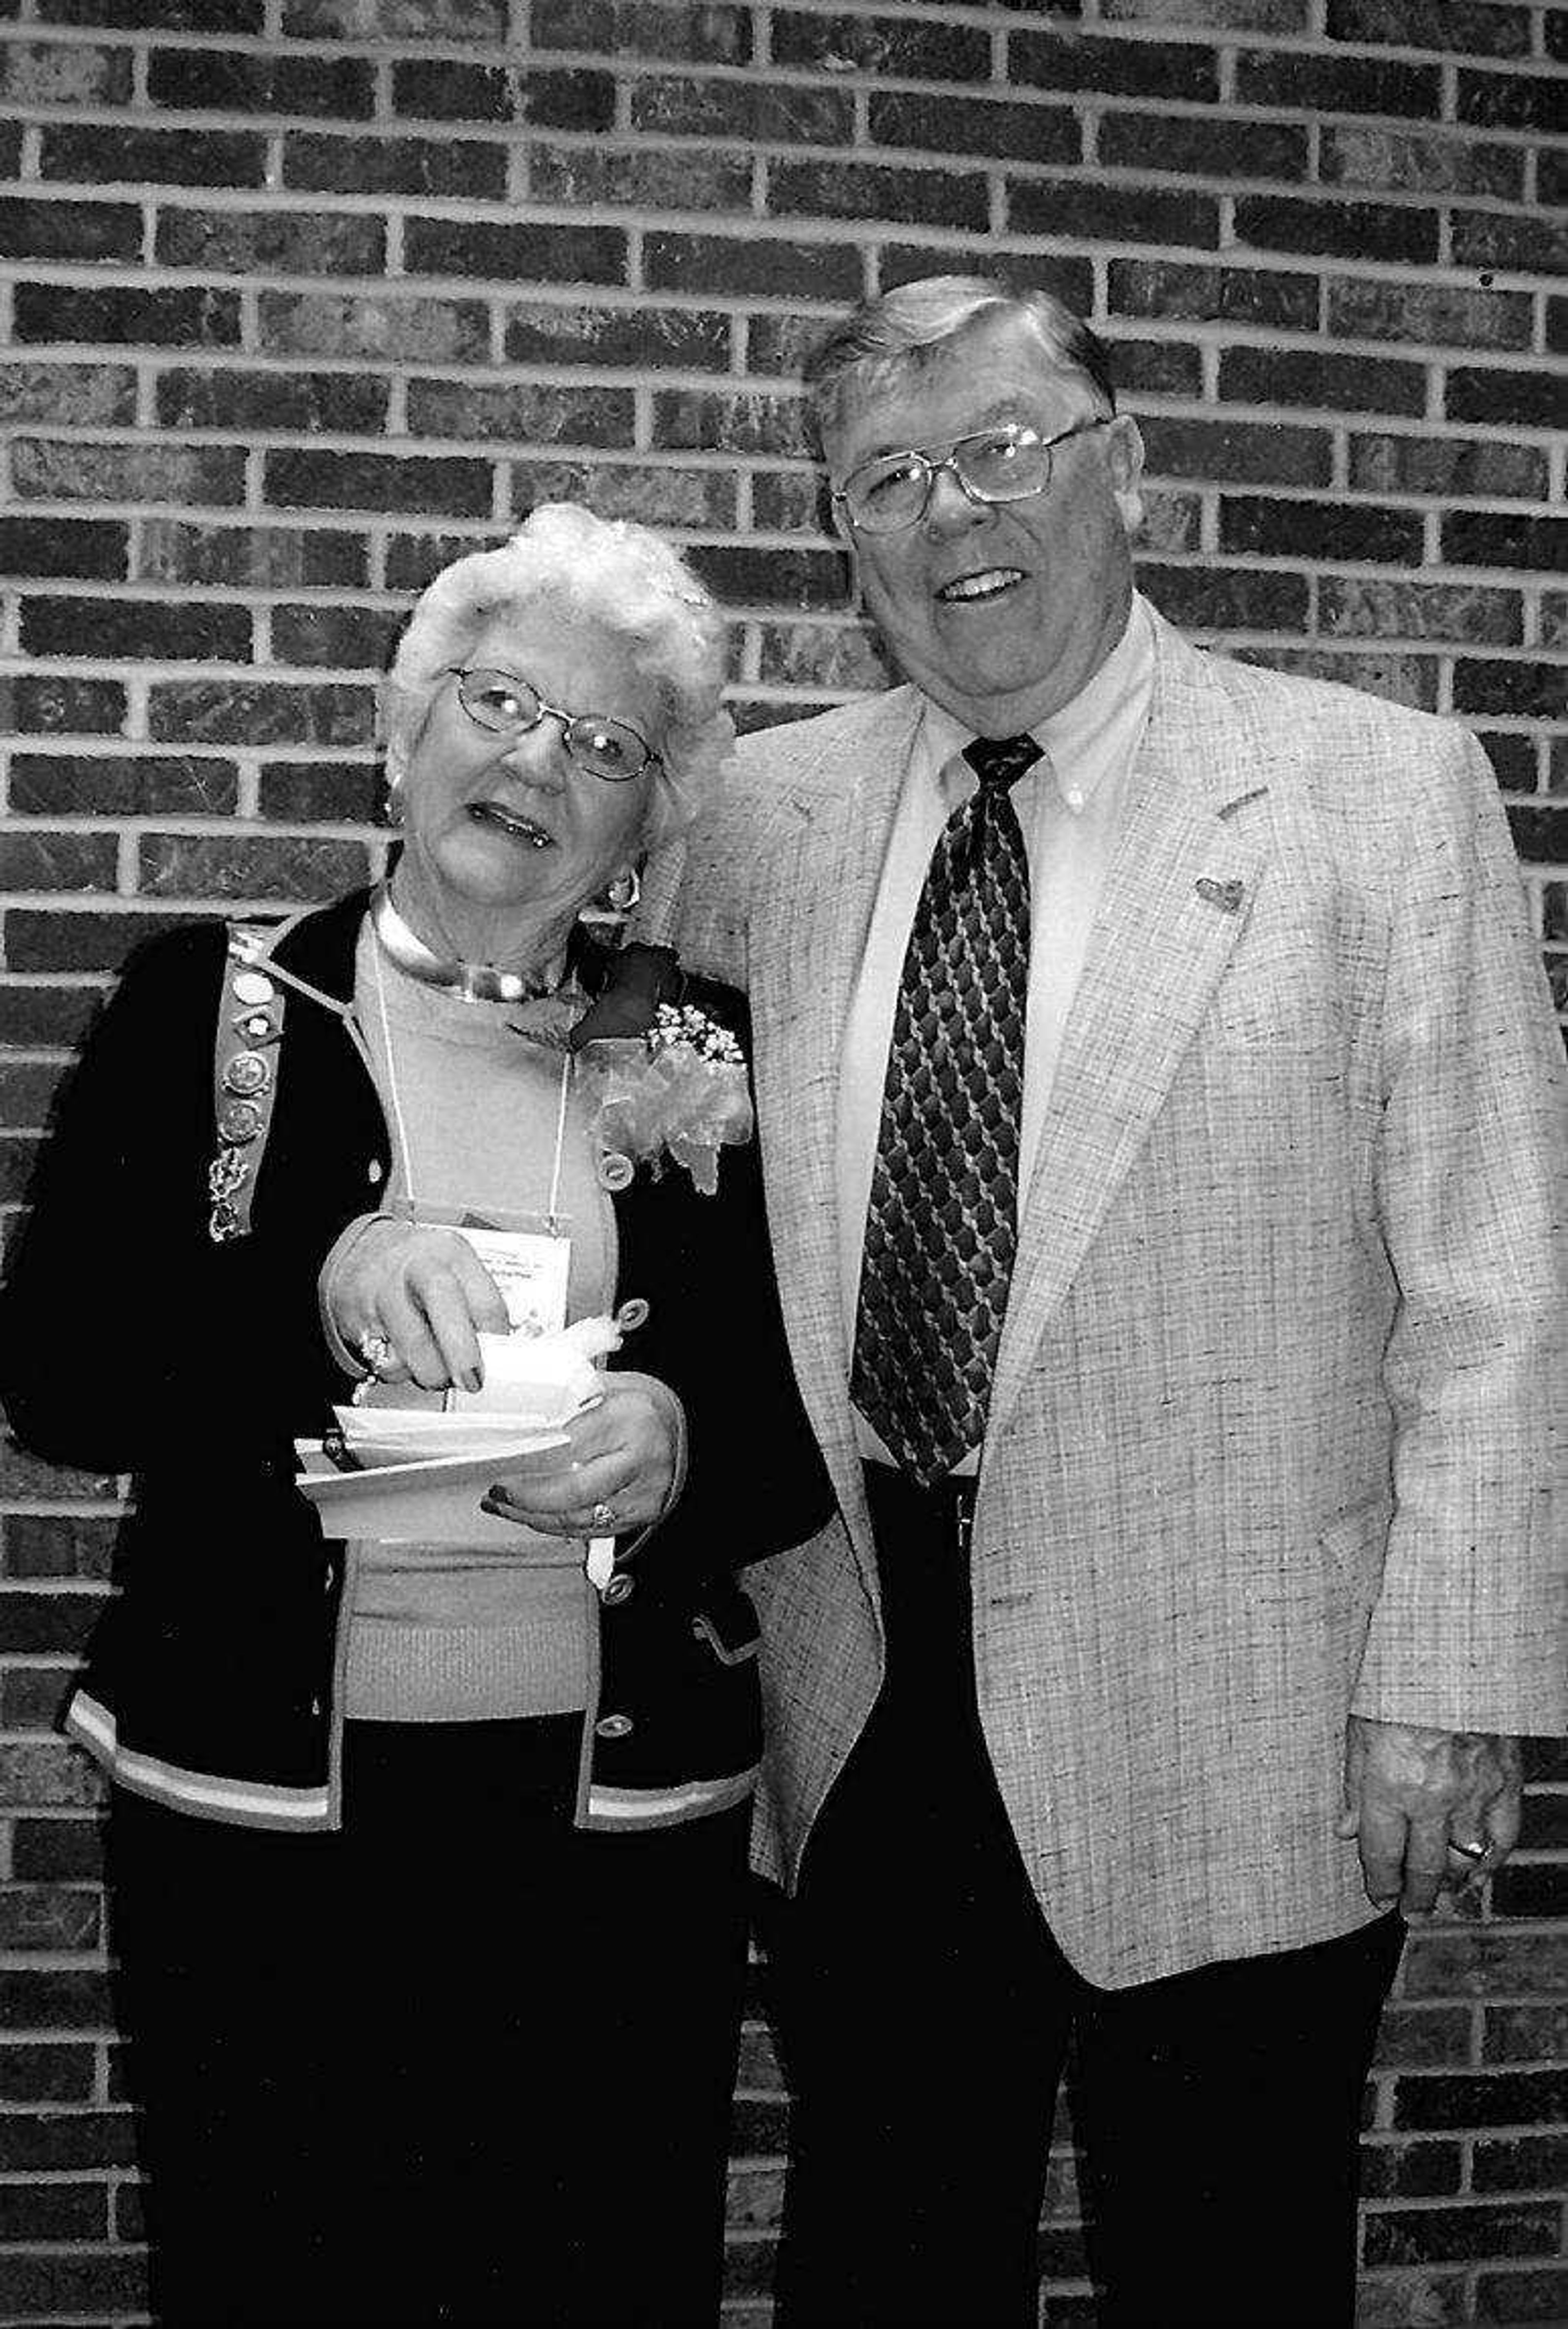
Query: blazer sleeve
1470	1628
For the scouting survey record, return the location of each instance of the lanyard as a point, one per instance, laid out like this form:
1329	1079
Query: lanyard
400	1126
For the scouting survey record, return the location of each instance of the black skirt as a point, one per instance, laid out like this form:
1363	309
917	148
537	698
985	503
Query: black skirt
457	2061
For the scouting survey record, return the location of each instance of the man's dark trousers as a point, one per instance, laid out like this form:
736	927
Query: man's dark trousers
924	2014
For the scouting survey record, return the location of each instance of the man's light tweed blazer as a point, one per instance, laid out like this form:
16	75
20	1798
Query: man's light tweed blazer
1280	1391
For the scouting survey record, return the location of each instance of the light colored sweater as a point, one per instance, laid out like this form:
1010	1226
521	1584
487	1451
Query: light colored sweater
448	1633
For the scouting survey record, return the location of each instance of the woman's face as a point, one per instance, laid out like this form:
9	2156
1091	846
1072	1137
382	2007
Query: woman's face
509	834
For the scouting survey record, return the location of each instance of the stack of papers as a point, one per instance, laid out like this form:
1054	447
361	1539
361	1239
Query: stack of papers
420	1473
377	1436
417	1477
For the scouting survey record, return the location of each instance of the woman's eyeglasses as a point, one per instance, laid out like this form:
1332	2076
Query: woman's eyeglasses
509	706
1005	464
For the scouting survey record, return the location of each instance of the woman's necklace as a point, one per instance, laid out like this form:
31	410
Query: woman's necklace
472	982
542	1007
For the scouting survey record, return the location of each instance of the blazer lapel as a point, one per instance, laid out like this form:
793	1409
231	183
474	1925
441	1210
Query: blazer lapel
1177	893
807	951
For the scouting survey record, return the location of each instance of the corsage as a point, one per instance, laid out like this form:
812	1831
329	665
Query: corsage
678	1091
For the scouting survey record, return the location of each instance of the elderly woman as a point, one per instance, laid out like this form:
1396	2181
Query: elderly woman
427	1860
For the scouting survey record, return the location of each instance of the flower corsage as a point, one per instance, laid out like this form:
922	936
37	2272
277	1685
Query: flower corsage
678	1091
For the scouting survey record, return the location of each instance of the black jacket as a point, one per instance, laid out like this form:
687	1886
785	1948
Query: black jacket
131	1342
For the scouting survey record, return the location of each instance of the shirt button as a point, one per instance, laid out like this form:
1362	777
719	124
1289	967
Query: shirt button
613	1726
618	1588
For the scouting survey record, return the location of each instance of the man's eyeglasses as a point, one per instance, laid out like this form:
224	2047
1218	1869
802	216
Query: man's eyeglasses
509	706
1005	464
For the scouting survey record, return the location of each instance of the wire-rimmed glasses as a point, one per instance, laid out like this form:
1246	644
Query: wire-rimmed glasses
1007	463
508	705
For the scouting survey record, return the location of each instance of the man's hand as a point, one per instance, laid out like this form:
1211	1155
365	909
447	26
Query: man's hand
1415	1799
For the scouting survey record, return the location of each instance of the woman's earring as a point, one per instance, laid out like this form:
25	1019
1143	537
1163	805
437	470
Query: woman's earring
625	891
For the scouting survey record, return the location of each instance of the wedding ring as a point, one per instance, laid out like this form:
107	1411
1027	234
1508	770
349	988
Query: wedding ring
375	1351
1468	1851
603	1514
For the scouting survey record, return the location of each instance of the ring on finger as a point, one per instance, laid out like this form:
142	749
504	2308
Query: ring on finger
602	1515
1468	1851
375	1350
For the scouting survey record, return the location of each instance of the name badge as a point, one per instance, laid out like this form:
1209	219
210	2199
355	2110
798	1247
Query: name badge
531	1268
528	1255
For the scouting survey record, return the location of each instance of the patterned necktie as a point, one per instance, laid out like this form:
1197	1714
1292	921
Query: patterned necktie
942	1224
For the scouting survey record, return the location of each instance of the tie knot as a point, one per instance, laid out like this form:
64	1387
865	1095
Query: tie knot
1000	760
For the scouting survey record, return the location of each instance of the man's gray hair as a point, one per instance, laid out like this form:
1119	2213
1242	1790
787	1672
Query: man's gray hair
900	332
604	571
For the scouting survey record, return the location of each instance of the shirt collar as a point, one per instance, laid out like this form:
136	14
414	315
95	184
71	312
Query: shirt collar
1077	737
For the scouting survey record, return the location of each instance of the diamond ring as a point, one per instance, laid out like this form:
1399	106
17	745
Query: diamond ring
375	1351
603	1514
1468	1851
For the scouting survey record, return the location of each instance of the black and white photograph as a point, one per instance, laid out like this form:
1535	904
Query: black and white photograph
784	1191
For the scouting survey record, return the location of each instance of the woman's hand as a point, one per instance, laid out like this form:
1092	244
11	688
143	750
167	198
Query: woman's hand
623	1469
425	1293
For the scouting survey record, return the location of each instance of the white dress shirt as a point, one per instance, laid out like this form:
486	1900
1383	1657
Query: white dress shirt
1070	808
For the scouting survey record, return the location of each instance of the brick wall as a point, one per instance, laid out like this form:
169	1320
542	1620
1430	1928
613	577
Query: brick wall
302	296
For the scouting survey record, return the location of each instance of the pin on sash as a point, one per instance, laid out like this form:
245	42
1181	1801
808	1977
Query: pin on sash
1226	895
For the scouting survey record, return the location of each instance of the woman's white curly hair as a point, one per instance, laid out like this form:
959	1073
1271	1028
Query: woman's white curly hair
607	570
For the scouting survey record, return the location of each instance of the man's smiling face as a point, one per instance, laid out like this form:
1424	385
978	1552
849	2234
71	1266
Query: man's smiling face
1001	611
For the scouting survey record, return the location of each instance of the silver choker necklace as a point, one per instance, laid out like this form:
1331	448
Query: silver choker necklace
472	982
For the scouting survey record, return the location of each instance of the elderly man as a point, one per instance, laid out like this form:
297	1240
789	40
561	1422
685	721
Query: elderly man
1162	1120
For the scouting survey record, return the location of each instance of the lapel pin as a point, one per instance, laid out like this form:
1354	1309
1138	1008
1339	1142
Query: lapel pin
1226	895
